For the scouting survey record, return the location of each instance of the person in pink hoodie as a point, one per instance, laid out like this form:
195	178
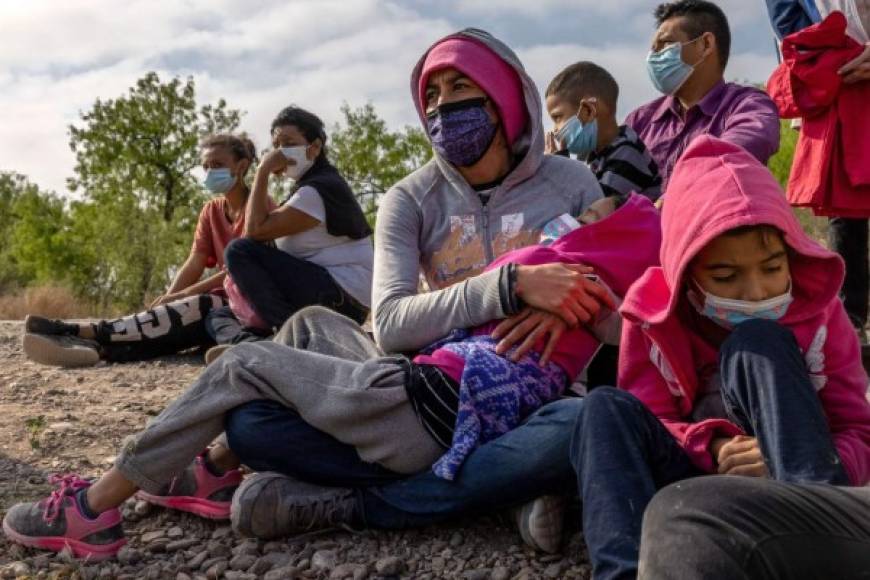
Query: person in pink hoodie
737	357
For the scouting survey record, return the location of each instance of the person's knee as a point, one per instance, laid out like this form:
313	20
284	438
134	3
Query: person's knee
599	407
688	507
758	336
239	249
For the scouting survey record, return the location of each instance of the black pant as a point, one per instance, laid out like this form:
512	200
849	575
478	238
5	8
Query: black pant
224	328
848	237
742	528
277	284
167	329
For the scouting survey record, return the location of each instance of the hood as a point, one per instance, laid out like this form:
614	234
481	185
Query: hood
715	187
529	145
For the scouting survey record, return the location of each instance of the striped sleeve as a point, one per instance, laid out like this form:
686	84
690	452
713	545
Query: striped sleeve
629	167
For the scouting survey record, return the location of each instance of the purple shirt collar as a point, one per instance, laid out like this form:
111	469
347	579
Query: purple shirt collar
708	105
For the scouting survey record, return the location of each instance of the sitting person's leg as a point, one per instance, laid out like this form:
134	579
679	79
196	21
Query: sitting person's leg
622	455
277	284
768	392
322	384
224	328
517	467
166	329
736	528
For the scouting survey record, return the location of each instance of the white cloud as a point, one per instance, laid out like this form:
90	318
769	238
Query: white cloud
59	57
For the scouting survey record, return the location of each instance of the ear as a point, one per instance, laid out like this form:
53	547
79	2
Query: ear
314	148
588	110
708	42
242	168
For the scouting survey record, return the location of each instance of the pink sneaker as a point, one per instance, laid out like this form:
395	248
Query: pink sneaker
56	523
199	492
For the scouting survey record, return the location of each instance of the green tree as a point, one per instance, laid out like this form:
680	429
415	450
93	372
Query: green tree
31	226
371	157
139	200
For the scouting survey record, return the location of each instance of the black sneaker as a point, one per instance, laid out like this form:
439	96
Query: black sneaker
39	325
272	505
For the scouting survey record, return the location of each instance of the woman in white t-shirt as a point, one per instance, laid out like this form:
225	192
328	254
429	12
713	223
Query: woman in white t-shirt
322	252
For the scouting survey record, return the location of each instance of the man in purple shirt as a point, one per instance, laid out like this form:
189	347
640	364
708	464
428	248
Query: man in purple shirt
687	63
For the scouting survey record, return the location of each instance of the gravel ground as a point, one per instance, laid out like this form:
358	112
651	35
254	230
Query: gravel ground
56	420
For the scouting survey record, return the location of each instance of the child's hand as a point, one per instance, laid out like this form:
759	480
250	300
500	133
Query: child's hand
563	290
550	145
740	455
529	326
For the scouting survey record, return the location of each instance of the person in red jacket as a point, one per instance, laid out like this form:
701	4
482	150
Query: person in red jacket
825	80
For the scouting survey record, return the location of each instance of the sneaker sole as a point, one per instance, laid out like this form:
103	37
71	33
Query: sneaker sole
553	511
44	350
204	508
215	353
82	550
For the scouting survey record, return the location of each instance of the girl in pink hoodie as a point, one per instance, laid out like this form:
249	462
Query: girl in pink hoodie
737	358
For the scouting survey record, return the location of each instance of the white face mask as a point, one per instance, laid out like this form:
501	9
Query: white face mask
728	313
299	155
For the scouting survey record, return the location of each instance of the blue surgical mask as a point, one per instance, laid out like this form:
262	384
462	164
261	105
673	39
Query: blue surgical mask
579	138
666	68
728	313
218	181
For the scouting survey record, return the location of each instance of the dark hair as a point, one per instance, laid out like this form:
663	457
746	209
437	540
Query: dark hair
240	146
308	124
700	17
766	231
620	199
585	79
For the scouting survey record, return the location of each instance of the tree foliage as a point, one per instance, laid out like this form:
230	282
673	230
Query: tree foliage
131	222
371	157
32	223
134	156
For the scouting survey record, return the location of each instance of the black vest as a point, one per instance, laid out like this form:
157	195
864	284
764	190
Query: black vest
344	216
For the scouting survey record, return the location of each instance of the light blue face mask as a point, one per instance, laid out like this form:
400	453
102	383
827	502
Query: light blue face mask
728	313
666	68
577	138
218	181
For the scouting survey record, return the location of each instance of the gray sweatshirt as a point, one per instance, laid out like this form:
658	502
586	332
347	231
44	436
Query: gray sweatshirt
434	222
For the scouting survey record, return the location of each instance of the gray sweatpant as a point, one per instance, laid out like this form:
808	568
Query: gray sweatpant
322	365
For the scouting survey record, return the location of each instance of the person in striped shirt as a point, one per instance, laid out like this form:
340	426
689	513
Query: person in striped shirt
581	101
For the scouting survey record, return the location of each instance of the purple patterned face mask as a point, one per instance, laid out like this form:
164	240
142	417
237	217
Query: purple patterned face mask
461	132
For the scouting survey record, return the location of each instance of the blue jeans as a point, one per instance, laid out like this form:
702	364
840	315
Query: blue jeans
525	463
623	454
277	284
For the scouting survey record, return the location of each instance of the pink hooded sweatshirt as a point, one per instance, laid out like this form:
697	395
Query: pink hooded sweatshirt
716	187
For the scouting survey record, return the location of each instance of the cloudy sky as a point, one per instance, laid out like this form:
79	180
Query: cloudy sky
59	56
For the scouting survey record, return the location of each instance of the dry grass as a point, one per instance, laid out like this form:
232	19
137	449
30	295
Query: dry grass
49	301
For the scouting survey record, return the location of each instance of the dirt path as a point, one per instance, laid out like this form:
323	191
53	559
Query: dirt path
58	420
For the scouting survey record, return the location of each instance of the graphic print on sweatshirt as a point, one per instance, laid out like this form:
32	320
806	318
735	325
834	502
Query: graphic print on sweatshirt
462	254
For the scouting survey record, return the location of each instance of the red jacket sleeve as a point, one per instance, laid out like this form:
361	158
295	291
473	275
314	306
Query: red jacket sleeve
648	377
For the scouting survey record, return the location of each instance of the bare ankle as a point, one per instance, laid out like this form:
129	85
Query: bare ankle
222	458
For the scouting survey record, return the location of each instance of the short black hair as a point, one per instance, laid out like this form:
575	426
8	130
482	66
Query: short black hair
701	16
308	124
585	78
